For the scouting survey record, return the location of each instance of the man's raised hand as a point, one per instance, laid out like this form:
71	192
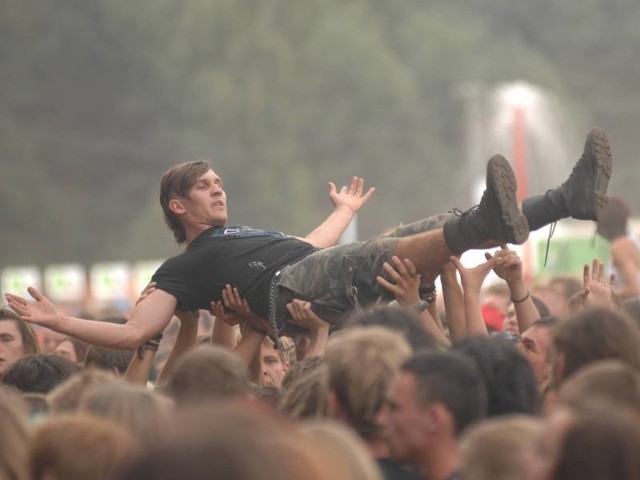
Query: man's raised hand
41	311
353	197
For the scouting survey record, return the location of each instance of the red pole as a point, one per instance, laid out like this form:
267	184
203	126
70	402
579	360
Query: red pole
522	177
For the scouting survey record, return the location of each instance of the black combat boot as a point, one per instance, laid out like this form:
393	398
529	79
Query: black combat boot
496	218
584	195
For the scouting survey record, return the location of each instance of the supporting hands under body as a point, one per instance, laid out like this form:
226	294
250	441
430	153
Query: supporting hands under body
405	288
303	315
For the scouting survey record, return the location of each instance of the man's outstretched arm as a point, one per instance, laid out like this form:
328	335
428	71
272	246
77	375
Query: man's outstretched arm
346	203
148	319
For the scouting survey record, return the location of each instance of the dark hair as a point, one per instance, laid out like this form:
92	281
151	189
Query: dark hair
39	373
508	376
596	334
108	358
398	320
613	222
176	182
542	308
453	380
30	342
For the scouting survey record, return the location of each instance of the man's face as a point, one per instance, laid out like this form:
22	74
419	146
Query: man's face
535	343
402	420
206	202
11	347
271	367
511	321
65	349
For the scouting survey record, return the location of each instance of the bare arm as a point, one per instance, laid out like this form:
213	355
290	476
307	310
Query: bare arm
624	254
346	204
302	314
147	320
453	302
406	292
509	268
472	279
185	339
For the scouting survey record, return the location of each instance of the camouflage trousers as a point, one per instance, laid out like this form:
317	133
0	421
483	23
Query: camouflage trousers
342	279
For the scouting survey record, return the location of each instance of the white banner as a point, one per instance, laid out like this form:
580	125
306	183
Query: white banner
16	280
110	282
66	283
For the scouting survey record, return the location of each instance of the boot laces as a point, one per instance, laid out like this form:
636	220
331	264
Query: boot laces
552	230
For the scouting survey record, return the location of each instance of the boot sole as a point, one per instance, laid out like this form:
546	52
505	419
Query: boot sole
502	182
597	145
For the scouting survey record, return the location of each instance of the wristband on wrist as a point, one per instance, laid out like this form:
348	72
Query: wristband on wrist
150	345
428	294
420	307
522	299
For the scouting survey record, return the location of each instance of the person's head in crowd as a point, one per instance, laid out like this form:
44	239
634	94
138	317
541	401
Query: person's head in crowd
400	320
39	373
49	339
510	324
37	405
608	380
207	372
593	335
17	339
499	448
362	364
73	349
591	441
305	389
272	364
342	449
80	447
65	398
614	222
509	380
267	394
557	293
434	398
16	435
536	343
542	308
498	295
110	359
139	410
493	318
231	443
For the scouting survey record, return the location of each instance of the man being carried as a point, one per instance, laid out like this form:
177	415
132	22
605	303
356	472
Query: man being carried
270	268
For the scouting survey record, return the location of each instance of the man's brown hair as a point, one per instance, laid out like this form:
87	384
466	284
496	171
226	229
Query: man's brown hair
176	182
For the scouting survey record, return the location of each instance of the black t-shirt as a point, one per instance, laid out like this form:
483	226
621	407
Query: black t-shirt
243	257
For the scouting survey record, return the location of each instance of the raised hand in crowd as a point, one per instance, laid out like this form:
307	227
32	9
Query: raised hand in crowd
406	290
303	315
352	197
508	267
598	291
472	280
40	310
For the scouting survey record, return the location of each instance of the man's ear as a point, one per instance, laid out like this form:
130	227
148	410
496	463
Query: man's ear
439	418
175	205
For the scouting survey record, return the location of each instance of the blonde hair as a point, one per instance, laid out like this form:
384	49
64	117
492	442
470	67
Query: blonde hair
65	398
14	447
362	362
496	449
344	452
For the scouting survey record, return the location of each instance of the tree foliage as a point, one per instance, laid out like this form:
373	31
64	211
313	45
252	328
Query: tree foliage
98	98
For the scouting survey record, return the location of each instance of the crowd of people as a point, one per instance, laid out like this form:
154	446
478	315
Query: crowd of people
256	355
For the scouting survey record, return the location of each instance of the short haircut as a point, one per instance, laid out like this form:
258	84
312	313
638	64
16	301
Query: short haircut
207	372
362	364
613	223
596	334
305	389
39	373
176	182
80	447
65	398
108	358
508	377
452	380
30	342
